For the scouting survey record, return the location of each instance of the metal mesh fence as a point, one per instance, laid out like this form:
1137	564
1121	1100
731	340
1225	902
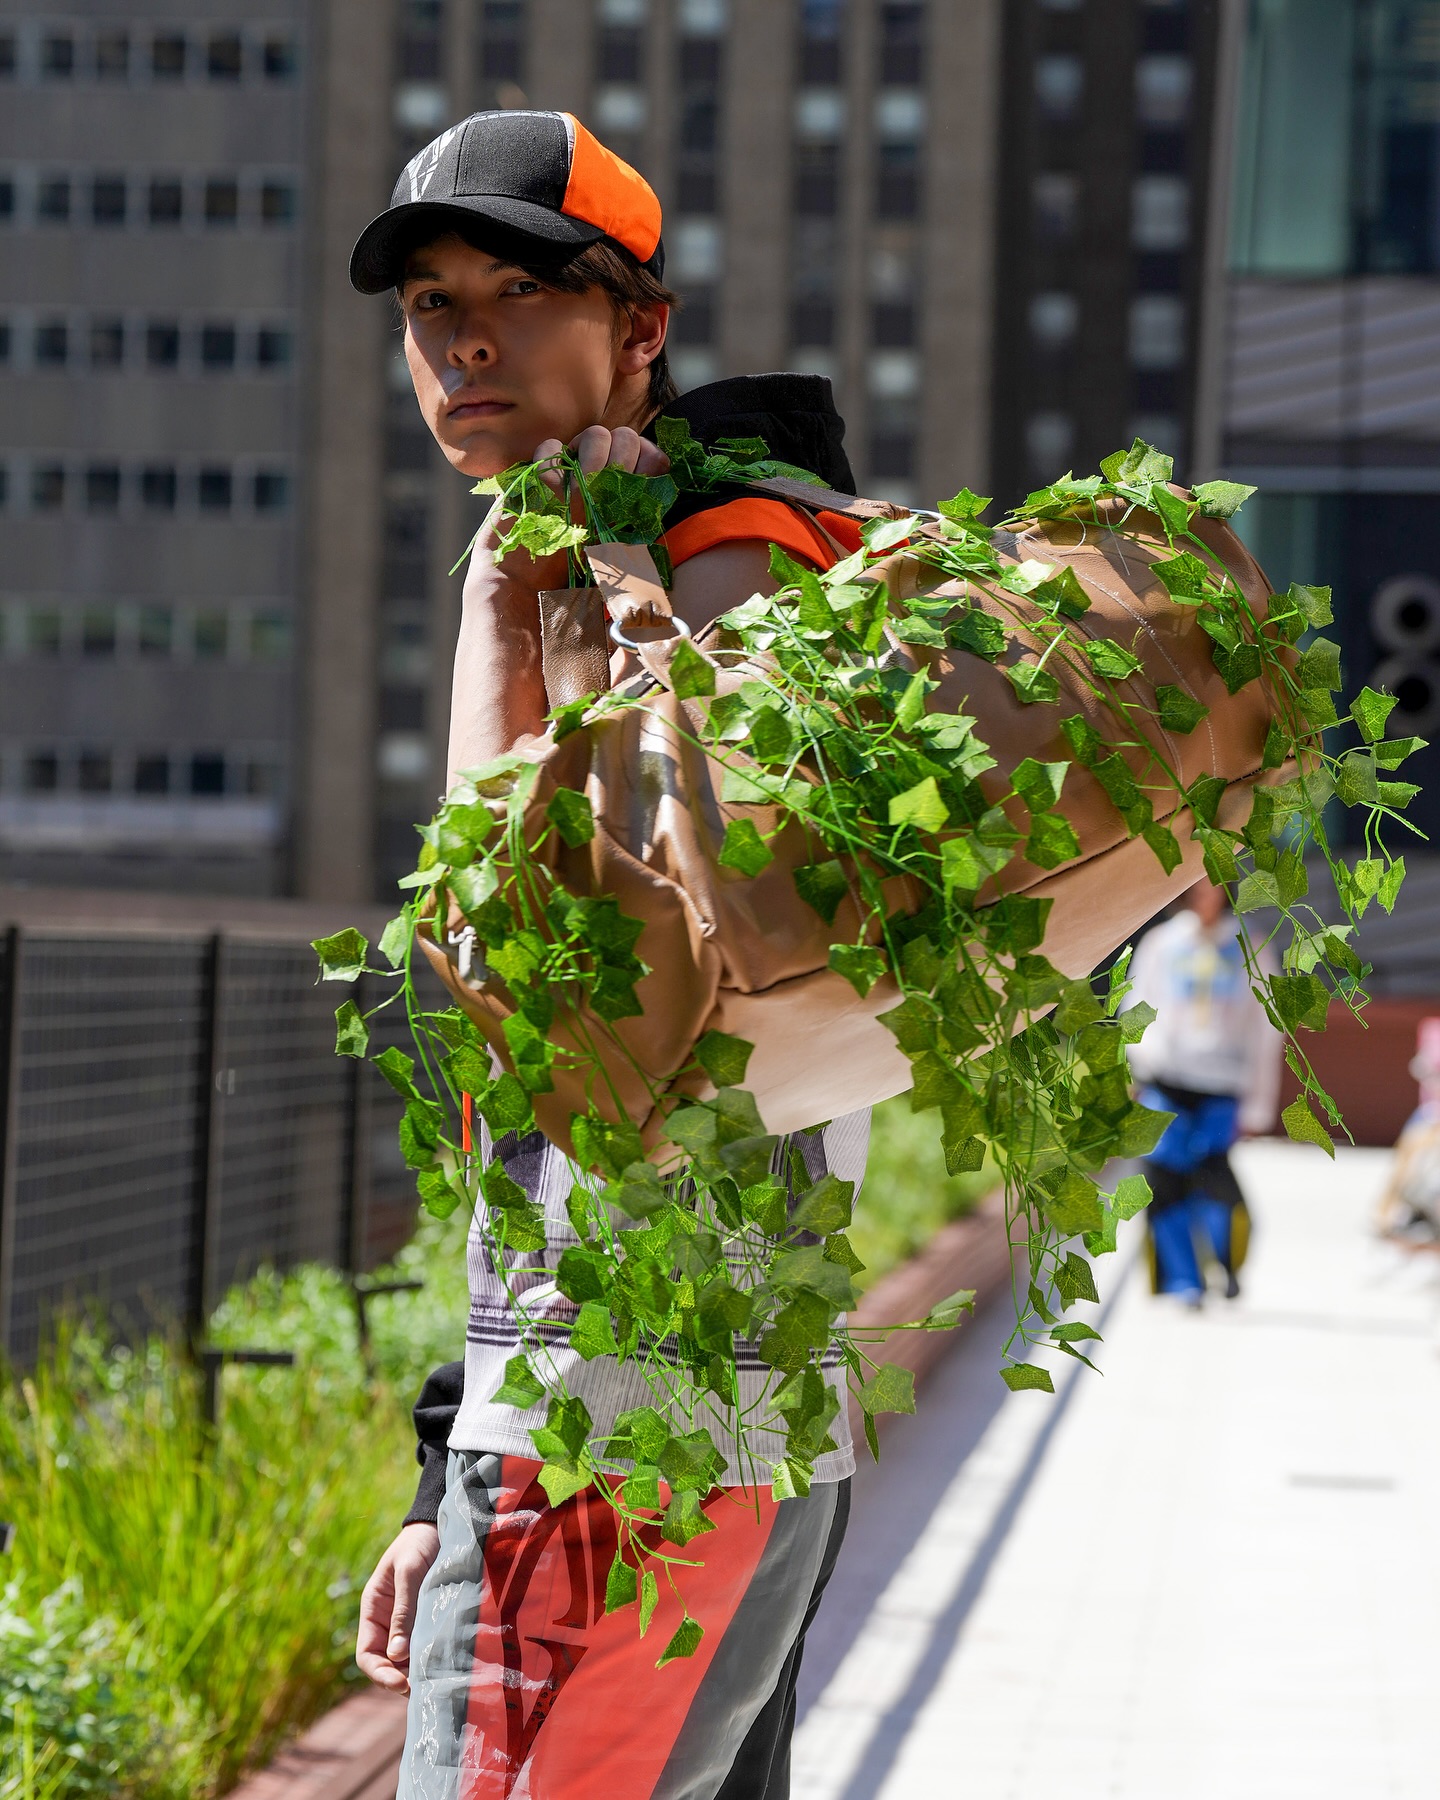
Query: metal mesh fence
173	1115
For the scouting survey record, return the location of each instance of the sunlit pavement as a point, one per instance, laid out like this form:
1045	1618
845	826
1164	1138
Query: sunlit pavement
1211	1573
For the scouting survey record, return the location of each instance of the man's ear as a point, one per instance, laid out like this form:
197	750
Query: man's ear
644	337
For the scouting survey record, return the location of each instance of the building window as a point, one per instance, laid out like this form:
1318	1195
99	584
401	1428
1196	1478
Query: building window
279	58
52	199
812	323
1157	331
1059	87
167	55
269	637
1054	320
107	343
112	55
1055	200
152	773
502	40
94	772
57	56
272	347
47	487
210	635
107	200
4	340
892	453
7	55
1049	444
271	490
897	185
153	631
892	324
7	198
1160	213
102	487
42	772
822	24
817	180
166	201
216	489
901	44
620	53
162	344
158	487
695	322
52	344
217	346
42	631
222	201
222	57
207	773
277	202
98	632
1162	90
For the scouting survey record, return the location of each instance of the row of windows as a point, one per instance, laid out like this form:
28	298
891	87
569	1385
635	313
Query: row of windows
113	199
162	53
1159	210
819	114
103	769
104	630
50	485
1156	327
109	341
1163	87
1051	437
814	321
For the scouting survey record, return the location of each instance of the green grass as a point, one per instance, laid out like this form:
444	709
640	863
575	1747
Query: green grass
178	1605
907	1196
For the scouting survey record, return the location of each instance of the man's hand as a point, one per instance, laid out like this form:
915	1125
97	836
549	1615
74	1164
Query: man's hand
595	448
387	1607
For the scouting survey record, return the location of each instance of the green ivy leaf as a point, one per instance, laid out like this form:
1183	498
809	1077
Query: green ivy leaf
1313	603
723	1058
1062	595
890	1389
352	1034
1221	499
1178	711
395	940
438	1193
399	1070
1052	841
593	1333
1034	685
521	1387
947	1312
1370	710
1184	577
744	850
861	966
1163	842
569	812
964	507
1112	660
978	632
649	1598
825	1207
1389	889
1319	666
685	1642
692	675
1018	1376
920	806
822	886
1237	667
1038	784
1083	739
1303	1127
342	955
622	1585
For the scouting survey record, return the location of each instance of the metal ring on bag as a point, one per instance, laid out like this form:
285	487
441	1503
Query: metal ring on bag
617	636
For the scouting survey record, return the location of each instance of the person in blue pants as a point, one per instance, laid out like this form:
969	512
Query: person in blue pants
1213	1059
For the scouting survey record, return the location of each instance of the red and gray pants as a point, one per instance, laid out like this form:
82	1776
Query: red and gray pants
524	1688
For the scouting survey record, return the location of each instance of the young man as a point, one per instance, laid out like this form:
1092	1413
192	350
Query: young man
528	266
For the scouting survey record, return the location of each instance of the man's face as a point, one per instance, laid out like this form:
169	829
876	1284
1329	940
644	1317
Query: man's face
501	362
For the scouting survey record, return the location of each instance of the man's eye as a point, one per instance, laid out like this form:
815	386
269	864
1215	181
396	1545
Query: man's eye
525	287
428	302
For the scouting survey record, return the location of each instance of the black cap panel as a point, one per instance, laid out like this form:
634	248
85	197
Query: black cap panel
523	155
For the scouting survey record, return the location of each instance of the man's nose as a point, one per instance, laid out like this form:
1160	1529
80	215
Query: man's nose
472	341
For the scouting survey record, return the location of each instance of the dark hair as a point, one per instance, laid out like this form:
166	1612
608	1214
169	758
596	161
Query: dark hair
599	265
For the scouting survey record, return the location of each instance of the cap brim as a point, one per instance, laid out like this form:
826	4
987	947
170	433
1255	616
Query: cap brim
516	228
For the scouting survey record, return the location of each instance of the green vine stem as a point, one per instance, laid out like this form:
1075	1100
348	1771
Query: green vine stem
814	705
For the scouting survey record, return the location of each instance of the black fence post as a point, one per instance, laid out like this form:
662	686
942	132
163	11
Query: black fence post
355	1195
209	1140
9	1123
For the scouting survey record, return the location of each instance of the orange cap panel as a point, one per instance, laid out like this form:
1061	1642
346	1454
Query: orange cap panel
606	192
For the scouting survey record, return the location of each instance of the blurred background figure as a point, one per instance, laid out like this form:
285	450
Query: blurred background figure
1410	1205
1213	1059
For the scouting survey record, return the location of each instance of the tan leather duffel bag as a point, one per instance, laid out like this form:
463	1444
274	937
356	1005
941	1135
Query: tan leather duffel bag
746	955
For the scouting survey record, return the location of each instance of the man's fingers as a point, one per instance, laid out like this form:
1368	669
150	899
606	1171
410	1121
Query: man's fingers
408	1577
592	448
551	447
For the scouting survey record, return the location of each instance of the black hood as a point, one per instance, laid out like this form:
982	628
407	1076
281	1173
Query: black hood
795	414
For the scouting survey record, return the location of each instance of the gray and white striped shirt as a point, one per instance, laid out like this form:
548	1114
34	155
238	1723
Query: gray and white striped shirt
608	1387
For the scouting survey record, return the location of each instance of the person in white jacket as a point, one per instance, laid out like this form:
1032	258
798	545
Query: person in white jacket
1213	1059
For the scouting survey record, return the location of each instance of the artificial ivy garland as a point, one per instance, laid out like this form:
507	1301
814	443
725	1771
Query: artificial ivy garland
684	1250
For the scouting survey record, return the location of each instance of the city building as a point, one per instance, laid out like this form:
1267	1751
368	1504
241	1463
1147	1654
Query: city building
1322	382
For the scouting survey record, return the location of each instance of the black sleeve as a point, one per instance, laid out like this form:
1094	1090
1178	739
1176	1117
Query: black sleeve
434	1415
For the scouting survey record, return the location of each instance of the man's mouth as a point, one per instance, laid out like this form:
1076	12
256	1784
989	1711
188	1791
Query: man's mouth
477	406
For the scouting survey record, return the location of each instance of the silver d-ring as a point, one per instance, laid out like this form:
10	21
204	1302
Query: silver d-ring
617	636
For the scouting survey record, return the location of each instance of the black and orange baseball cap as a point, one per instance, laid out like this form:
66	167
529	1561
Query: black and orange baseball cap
541	184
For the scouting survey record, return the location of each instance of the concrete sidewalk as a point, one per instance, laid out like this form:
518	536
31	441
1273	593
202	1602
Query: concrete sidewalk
1211	1574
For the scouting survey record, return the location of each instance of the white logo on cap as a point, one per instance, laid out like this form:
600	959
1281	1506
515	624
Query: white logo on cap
420	168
